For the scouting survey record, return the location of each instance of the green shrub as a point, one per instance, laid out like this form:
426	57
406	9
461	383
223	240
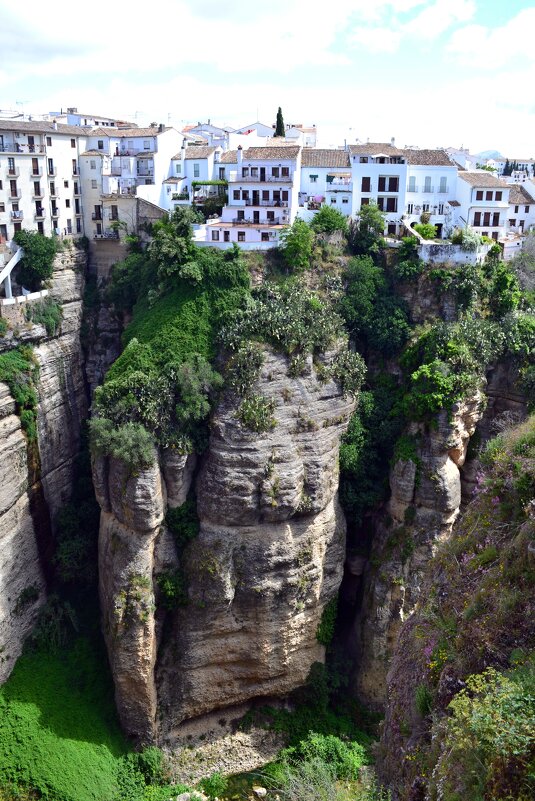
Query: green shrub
48	312
243	368
328	220
18	369
349	370
423	700
365	234
183	522
3	327
426	230
214	785
345	758
296	245
37	264
173	591
256	413
327	624
131	443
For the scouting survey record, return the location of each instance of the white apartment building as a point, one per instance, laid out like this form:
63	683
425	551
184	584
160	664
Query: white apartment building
263	193
431	183
118	163
521	215
40	183
326	178
379	172
483	203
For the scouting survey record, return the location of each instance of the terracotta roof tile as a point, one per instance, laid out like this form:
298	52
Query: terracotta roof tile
325	158
127	133
483	179
375	149
519	195
199	152
284	152
43	127
428	158
229	157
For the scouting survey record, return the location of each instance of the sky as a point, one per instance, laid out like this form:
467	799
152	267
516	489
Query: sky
431	74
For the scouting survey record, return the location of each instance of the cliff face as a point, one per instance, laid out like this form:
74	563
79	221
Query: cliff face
31	497
267	559
424	504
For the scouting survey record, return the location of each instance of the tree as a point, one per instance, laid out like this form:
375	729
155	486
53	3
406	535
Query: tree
366	232
329	220
296	245
37	264
279	128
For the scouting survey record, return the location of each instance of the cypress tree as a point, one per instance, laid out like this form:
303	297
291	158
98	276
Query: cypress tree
279	128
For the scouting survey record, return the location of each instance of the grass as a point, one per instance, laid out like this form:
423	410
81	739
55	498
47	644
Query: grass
58	731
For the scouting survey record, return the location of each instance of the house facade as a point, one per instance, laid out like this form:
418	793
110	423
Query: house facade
483	203
521	214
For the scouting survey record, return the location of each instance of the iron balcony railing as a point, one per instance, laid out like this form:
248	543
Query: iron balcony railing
249	221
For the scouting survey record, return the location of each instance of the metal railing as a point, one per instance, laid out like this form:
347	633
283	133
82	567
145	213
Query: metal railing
17	215
14	147
13	172
15	195
51	171
427	190
249	221
279	204
412	188
36	173
96	216
257	179
40	214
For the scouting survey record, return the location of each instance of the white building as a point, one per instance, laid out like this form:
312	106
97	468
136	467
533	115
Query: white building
263	192
40	184
521	215
131	161
326	178
483	203
379	173
73	117
431	184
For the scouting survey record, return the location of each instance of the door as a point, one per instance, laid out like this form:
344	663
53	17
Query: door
256	197
3	233
256	216
262	173
226	236
31	144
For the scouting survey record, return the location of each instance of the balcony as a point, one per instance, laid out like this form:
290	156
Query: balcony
443	190
340	183
17	215
279	204
75	171
76	191
40	214
51	172
97	216
38	195
413	188
257	179
15	195
36	172
428	190
248	221
13	172
55	212
14	147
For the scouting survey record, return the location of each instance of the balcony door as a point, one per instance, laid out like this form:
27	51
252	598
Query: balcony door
262	173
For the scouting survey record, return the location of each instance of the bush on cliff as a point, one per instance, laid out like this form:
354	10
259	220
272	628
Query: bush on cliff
37	264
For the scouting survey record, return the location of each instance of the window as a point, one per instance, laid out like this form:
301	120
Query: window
264	236
221	173
412	183
73	142
76	188
393	184
391	204
313	179
512	223
381	203
67	204
245	194
245	172
270	216
425	207
526	209
236	194
196	170
40	228
498	196
345	200
93	184
146	144
69	226
441	208
50	166
486	218
254	172
285	171
443	185
52	188
100	144
496	219
275	172
479	195
363	159
381	186
241	236
65	184
333	200
265	194
477	218
78	226
36	188
1	185
114	213
93	164
226	236
49	141
215	236
2	207
516	209
391	229
178	167
410	208
387	184
240	214
285	194
365	201
489	195
495	235
366	185
74	167
427	184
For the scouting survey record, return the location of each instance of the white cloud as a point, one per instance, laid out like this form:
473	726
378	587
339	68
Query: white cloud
439	16
377	40
491	48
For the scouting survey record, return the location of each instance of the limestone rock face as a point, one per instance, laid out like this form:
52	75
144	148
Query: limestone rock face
62	406
424	504
268	557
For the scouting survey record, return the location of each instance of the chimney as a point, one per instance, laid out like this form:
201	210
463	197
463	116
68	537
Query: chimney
183	151
216	157
393	141
55	125
240	155
161	127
